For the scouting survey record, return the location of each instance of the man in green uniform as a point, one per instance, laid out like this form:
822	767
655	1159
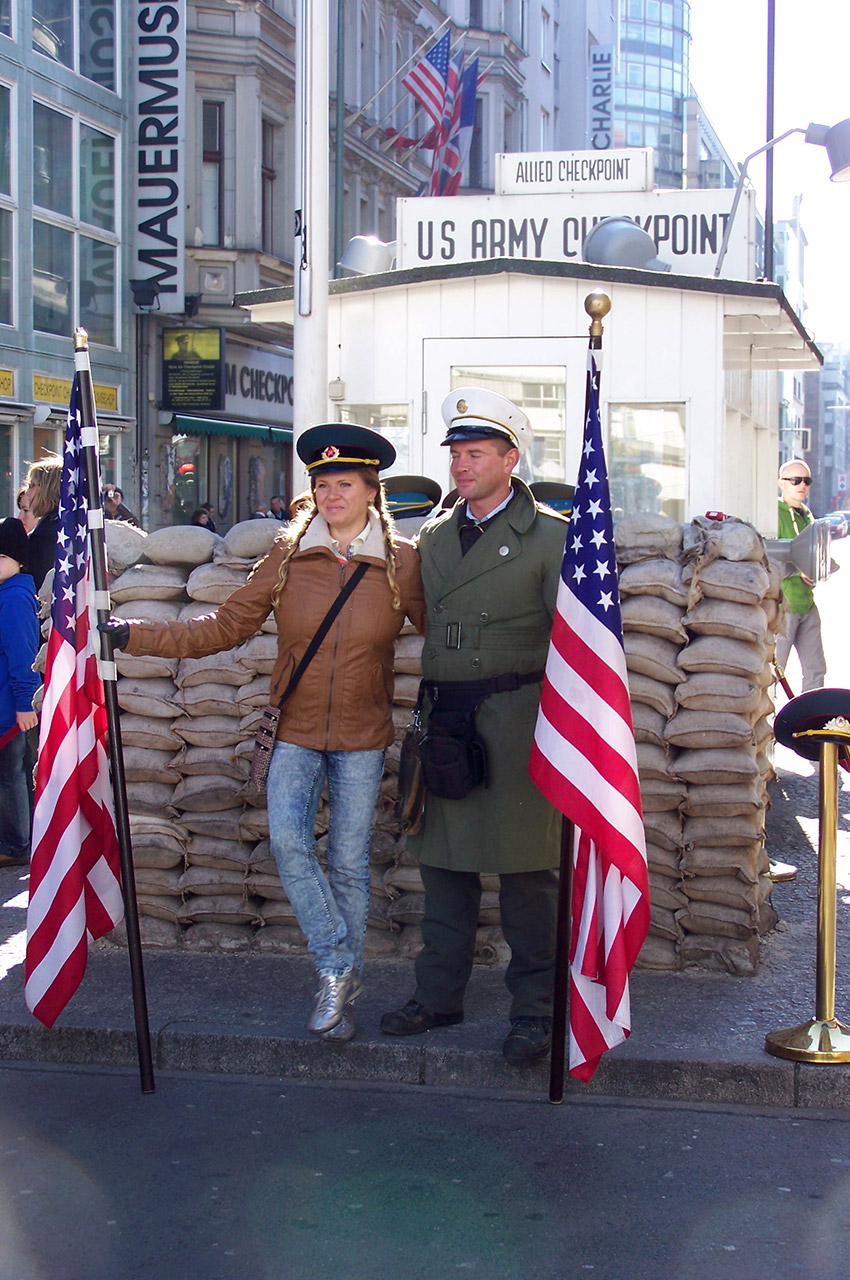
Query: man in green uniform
490	567
802	620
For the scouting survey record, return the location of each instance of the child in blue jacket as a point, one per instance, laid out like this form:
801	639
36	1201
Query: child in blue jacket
19	635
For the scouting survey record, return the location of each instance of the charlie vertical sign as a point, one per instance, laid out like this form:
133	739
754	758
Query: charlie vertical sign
600	97
159	148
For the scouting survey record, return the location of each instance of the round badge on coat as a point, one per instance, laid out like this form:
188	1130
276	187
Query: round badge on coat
504	551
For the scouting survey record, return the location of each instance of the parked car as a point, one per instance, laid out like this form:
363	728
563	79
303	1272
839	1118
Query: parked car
839	523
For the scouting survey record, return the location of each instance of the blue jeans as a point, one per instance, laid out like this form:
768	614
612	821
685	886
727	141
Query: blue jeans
332	910
15	825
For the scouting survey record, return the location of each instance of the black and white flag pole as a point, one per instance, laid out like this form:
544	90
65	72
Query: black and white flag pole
108	671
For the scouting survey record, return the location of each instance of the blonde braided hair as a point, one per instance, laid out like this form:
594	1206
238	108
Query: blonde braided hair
302	521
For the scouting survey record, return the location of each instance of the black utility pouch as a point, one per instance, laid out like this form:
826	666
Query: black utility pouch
454	757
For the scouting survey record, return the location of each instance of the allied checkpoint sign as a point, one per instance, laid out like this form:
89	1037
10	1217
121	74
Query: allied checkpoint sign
687	226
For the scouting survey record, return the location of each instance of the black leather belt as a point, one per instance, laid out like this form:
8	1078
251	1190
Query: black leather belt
457	693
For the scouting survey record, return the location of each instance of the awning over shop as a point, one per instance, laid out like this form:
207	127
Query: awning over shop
184	425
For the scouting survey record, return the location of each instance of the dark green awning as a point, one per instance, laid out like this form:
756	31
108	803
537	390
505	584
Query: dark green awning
183	425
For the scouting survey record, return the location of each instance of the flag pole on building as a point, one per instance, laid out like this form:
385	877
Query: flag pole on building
584	761
108	670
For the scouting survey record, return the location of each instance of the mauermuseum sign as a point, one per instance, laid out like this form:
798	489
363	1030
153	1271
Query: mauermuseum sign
687	227
554	172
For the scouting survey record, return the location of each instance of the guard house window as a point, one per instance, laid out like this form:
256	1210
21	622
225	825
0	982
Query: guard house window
268	179
646	459
74	242
476	13
212	176
545	40
79	34
5	17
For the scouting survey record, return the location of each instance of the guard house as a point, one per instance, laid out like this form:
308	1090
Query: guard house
491	291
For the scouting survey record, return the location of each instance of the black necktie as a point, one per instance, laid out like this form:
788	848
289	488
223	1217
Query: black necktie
470	533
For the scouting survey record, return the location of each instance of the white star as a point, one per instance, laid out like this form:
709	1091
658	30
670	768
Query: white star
590	478
605	600
64	565
579	572
69	594
588	448
598	538
594	509
576	544
602	568
62	537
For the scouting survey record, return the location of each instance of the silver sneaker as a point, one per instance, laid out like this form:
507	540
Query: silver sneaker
331	1001
344	1030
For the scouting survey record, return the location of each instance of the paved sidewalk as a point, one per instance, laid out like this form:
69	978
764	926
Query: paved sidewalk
696	1036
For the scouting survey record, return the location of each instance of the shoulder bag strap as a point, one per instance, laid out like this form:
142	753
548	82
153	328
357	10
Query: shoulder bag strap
323	629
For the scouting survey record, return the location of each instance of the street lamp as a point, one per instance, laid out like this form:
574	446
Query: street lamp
837	143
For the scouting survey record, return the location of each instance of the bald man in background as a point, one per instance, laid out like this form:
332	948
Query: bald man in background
802	620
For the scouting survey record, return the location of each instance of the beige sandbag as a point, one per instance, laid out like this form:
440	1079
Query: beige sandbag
214	668
665	892
663	923
408	655
253	695
206	700
139	668
143	824
254	824
213	582
655	617
160	881
738	956
748	862
141	764
161	855
712	617
667	862
645	536
125	544
212	880
207	731
219	908
148	797
724	800
708	730
266	885
150	698
648	724
729	891
713	917
663	829
146	731
652	761
406	690
728	656
652	656
198	794
662	578
223	824
187	544
715	691
212	936
209	851
399	880
210	761
258	655
745	830
657	796
659	953
281	938
652	692
705	767
251	539
740	541
195	609
159	907
744	581
148	611
149	582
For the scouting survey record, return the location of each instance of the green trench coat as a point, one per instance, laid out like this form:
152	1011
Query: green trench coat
489	613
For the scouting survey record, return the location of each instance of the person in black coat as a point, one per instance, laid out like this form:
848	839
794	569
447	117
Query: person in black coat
43	482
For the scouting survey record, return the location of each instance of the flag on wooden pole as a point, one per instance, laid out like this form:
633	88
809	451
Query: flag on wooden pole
75	888
584	761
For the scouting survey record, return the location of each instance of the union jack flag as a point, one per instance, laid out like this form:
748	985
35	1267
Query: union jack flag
427	80
584	761
453	154
75	887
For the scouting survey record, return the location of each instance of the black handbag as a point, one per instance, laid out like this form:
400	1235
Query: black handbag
264	742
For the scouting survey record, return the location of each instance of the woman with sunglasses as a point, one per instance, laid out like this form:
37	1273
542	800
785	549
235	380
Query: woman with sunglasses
802	620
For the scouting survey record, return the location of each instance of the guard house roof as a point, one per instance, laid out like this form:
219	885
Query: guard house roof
760	330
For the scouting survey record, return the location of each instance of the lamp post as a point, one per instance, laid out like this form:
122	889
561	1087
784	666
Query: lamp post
837	143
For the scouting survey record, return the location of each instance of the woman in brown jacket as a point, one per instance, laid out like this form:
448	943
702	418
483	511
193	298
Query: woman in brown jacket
337	723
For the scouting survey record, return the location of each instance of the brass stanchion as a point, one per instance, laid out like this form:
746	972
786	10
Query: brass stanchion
823	1038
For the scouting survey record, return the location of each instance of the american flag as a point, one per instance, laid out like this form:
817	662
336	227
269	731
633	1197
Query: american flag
448	121
454	153
427	80
75	888
584	761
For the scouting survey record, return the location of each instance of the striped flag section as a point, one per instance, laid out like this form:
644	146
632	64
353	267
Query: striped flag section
75	887
427	80
584	761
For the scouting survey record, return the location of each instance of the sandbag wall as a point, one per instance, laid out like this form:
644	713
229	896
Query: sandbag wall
701	607
700	610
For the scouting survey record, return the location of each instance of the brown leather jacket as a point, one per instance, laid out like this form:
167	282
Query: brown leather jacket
344	699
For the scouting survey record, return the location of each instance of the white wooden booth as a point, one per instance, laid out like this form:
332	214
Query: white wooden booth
689	381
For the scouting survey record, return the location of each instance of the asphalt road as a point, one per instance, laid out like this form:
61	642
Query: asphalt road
230	1178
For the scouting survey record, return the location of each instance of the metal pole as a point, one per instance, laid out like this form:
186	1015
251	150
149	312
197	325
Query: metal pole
827	829
768	173
738	190
97	542
339	138
562	964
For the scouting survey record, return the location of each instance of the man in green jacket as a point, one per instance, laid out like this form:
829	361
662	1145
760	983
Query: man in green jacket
490	568
802	620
